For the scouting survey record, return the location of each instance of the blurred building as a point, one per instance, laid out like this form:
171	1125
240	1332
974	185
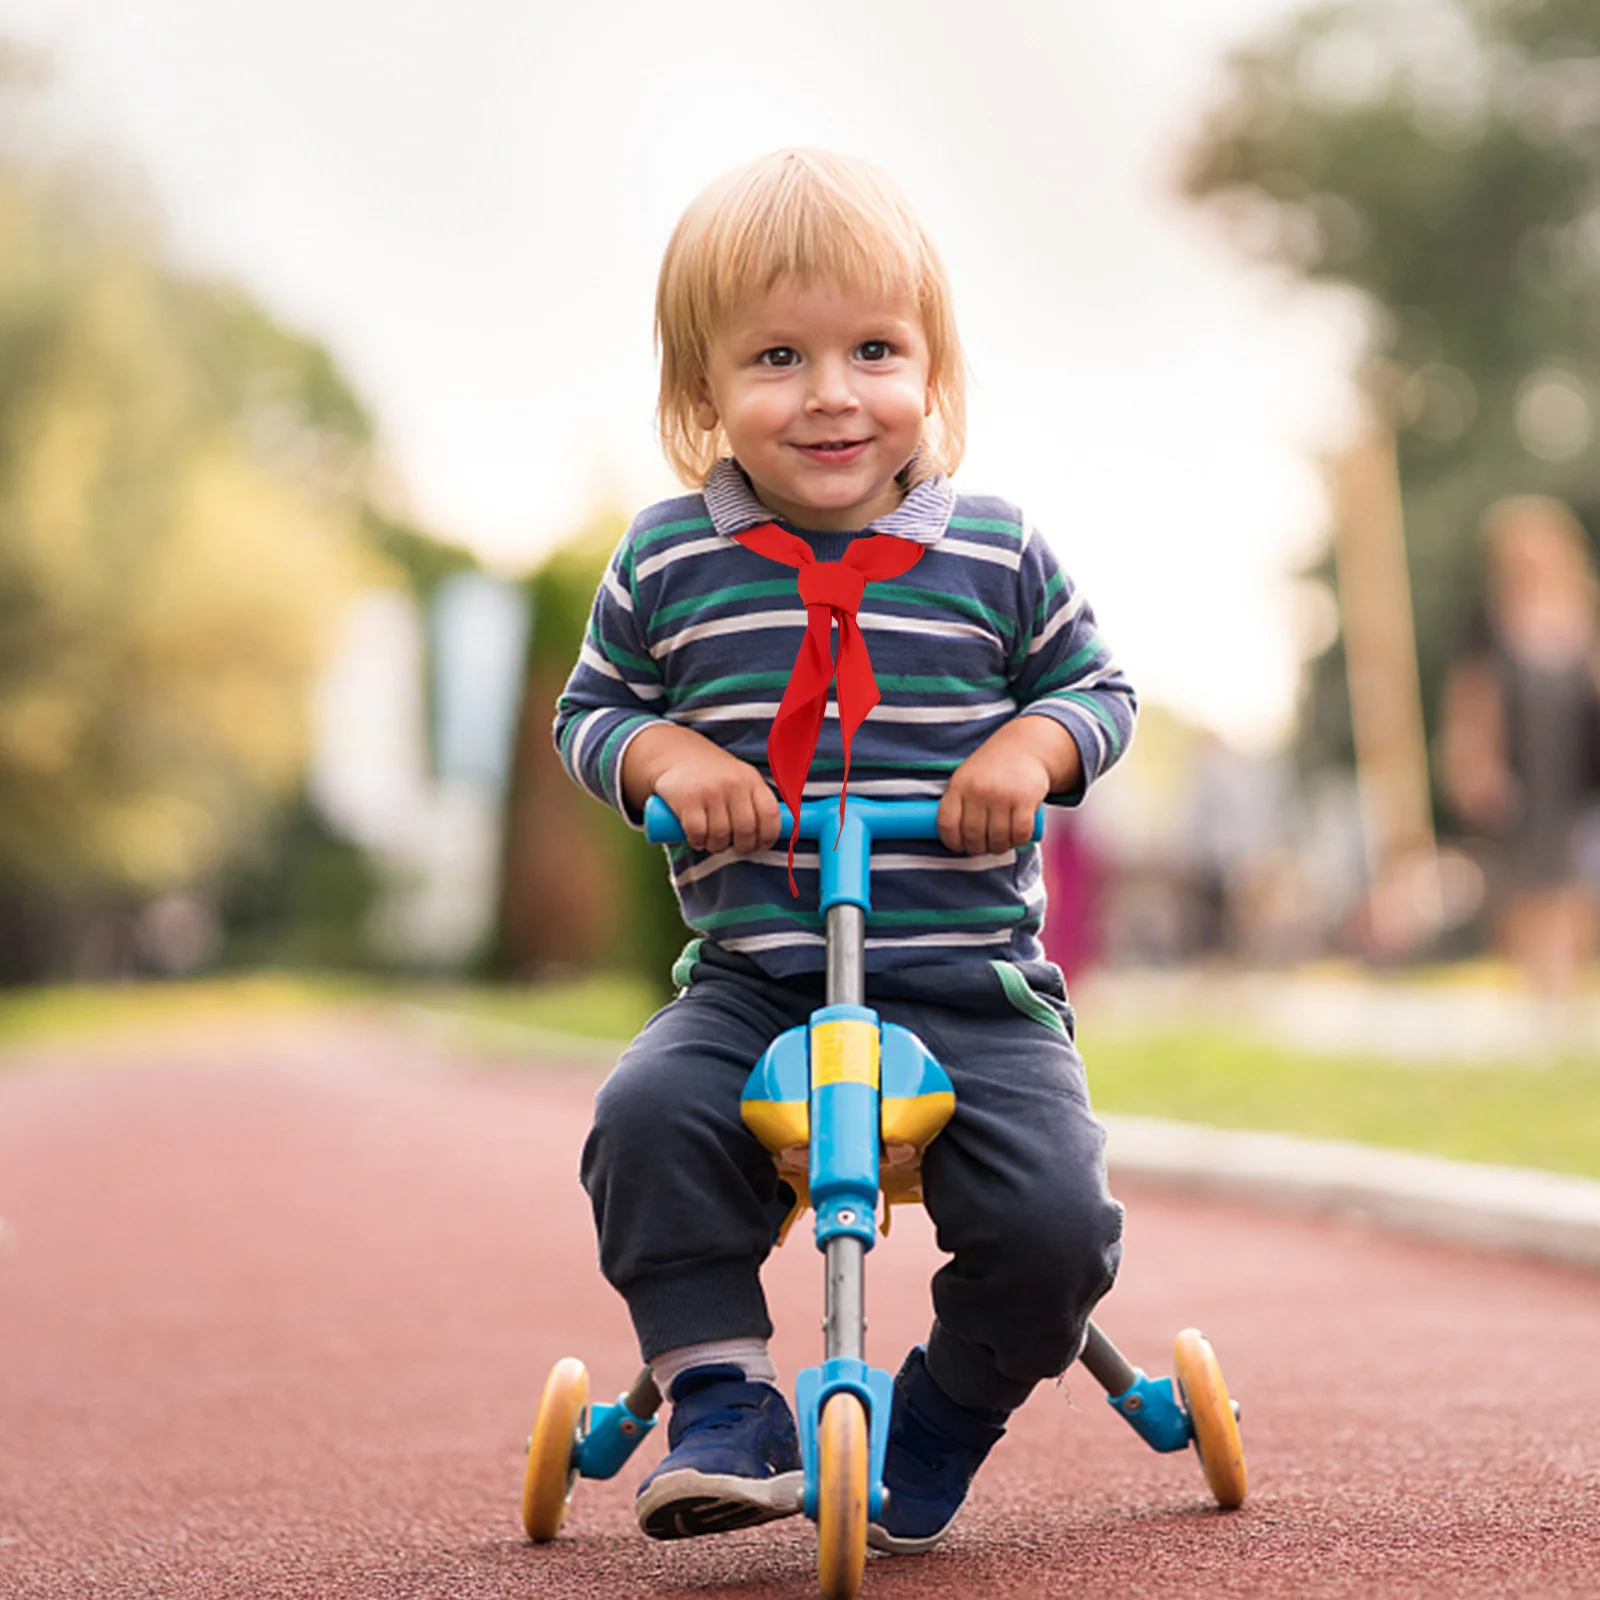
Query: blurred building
411	753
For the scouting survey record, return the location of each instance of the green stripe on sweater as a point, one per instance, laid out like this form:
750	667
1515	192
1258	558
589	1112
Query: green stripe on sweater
1094	650
1079	698
987	525
723	597
896	682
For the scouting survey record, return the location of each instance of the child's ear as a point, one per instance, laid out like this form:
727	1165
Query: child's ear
705	408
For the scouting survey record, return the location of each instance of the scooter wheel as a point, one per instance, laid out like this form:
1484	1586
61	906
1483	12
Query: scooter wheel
558	1430
1211	1415
842	1464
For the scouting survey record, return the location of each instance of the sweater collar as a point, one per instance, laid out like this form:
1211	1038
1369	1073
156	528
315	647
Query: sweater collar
921	517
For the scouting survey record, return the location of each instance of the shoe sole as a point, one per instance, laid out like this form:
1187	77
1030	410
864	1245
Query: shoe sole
881	1539
686	1504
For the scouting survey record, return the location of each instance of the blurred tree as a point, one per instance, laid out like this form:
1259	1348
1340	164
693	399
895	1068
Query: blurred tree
423	559
1441	157
564	851
302	897
182	484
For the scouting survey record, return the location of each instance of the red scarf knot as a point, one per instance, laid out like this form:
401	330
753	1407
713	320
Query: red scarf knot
832	584
831	591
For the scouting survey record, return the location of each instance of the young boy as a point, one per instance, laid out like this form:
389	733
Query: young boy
812	391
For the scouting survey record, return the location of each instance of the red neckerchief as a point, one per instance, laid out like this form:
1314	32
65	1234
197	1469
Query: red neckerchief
831	592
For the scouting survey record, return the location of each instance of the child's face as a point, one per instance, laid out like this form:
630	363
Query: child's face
822	395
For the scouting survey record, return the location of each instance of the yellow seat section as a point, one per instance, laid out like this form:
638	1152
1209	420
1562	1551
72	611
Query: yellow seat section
916	1119
778	1124
844	1051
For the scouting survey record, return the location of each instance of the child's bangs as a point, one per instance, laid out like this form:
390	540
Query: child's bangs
810	238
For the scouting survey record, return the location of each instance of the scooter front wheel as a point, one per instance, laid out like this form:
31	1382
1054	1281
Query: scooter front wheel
558	1429
842	1468
1211	1414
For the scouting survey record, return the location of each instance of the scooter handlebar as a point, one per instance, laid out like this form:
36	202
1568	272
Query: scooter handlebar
883	819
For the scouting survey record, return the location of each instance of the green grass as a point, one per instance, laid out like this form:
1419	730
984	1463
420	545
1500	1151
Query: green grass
609	1007
603	1007
1544	1116
91	1011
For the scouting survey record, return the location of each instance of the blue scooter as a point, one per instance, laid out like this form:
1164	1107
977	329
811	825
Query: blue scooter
846	1104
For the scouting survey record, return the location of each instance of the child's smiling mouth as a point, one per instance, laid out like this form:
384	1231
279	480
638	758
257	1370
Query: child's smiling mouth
835	450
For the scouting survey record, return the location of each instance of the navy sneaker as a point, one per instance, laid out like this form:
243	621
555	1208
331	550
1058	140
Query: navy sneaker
935	1447
733	1458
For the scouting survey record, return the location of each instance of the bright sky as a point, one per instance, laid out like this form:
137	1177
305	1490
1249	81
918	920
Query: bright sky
468	204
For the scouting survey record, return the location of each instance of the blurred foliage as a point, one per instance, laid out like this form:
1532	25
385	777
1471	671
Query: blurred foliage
621	913
422	558
562	590
1442	158
302	897
184	506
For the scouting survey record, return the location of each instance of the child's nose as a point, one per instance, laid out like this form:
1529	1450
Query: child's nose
831	388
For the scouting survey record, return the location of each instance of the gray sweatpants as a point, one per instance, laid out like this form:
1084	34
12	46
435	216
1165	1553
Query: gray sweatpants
683	1193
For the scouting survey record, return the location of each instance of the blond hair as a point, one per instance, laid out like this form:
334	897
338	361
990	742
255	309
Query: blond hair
807	216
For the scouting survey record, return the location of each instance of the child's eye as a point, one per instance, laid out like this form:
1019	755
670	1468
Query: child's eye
780	355
875	350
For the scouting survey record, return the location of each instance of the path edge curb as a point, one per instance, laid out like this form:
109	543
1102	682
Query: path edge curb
1513	1209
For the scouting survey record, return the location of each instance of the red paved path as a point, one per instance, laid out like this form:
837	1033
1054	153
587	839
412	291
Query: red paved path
273	1316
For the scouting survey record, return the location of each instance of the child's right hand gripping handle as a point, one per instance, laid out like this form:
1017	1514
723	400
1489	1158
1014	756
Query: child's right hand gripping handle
885	819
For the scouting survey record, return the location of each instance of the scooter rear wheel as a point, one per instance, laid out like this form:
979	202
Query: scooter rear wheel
842	1467
1211	1414
558	1429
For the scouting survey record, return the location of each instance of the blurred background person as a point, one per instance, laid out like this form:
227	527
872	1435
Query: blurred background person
1521	736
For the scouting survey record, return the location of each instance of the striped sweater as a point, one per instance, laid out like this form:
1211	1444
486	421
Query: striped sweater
690	626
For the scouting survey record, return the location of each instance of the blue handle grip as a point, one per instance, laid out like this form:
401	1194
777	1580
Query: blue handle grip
884	819
845	859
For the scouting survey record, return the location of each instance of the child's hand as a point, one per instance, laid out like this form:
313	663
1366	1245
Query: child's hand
995	793
719	799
